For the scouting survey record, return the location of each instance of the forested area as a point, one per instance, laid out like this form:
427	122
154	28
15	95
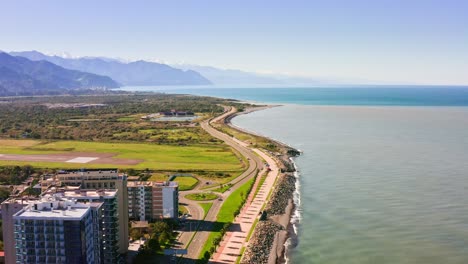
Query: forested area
104	118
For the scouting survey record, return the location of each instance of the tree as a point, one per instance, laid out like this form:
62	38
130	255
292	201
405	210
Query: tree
153	245
160	227
135	233
164	237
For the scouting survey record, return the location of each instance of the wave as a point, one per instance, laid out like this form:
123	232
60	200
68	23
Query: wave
296	217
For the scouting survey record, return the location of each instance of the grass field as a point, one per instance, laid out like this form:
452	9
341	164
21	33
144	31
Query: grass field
153	156
249	138
183	210
206	207
223	188
178	134
226	214
186	183
157	176
201	196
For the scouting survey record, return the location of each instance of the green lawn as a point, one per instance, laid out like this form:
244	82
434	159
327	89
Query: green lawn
183	209
201	196
226	214
126	119
260	183
206	208
223	188
185	182
234	202
153	156
157	176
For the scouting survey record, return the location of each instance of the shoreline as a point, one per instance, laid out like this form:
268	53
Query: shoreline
285	237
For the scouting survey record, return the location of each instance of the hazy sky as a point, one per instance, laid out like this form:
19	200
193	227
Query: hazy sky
411	41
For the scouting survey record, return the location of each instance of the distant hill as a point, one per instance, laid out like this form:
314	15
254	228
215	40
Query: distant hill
238	77
230	77
21	76
133	73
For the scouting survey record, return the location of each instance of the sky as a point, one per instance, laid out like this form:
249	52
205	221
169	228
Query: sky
398	41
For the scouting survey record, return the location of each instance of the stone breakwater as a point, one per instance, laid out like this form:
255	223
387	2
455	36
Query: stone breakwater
267	244
259	247
281	195
269	238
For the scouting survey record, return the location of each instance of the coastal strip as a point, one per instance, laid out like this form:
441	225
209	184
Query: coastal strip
275	228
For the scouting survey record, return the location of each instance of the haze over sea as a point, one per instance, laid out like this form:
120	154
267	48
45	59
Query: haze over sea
384	171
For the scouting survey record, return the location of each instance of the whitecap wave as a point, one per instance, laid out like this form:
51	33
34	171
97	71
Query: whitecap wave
296	216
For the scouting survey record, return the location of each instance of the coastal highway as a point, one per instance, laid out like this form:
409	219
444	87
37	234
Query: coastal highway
255	163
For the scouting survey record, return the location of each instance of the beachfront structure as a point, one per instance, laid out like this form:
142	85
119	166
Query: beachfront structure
149	201
98	179
56	230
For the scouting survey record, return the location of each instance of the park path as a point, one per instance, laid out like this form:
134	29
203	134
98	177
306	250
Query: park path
235	239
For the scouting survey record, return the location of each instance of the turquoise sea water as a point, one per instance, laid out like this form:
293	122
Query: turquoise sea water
384	172
363	95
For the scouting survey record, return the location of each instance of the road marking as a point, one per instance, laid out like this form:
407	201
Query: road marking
82	159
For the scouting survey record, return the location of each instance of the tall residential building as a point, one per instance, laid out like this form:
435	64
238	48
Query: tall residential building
103	179
108	218
55	230
9	208
152	200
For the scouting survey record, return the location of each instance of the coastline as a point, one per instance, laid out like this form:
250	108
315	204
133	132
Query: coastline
285	215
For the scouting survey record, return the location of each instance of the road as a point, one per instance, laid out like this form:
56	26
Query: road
255	163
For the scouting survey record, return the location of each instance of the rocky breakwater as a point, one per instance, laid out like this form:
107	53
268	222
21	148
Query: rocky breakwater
259	247
274	228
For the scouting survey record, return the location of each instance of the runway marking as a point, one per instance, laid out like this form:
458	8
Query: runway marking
82	160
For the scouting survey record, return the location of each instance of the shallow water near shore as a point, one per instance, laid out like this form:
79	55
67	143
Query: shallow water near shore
378	184
384	173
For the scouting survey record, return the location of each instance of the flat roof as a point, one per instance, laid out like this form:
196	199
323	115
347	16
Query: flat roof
139	183
74	213
83	194
152	183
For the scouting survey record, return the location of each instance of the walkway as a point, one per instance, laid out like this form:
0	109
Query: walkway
231	246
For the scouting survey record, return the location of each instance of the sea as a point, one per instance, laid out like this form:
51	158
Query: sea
383	175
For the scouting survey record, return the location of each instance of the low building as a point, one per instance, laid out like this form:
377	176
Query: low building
151	201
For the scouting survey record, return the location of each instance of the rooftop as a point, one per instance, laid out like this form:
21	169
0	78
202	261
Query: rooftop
54	207
151	183
139	224
75	213
90	193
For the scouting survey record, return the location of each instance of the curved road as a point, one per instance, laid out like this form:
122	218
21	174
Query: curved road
196	211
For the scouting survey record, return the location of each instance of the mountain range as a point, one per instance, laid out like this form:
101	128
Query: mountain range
21	76
230	77
32	72
144	73
137	73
